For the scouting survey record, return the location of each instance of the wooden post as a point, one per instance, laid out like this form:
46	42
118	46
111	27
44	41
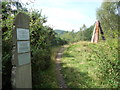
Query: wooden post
21	71
97	29
95	36
101	31
96	32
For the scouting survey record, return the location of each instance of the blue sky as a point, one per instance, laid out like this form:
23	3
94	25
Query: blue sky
67	14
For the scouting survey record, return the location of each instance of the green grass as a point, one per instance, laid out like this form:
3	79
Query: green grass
48	78
88	65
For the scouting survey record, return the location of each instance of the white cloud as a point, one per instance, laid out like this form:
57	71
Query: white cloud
61	13
63	25
63	18
66	14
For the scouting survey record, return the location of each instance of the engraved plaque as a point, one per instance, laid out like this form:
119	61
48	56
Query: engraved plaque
23	46
23	58
22	34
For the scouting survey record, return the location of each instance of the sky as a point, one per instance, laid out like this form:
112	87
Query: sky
67	14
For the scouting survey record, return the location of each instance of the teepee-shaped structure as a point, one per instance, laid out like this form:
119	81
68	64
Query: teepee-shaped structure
97	29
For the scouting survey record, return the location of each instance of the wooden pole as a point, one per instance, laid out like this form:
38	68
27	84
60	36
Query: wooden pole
96	32
101	31
93	35
21	72
97	29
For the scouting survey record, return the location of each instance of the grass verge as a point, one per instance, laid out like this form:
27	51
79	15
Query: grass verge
48	78
88	65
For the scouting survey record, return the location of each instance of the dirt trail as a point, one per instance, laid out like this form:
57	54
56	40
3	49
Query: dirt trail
58	68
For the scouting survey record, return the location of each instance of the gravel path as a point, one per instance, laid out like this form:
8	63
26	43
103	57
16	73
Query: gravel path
60	78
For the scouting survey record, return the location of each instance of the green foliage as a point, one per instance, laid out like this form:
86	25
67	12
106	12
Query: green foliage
87	65
6	25
84	34
106	54
59	31
42	39
48	77
6	63
107	15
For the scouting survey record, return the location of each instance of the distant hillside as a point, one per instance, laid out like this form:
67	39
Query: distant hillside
60	31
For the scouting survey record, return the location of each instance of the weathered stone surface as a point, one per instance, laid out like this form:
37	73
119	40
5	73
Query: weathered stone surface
22	21
21	74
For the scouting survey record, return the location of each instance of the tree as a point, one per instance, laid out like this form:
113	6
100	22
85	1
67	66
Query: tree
108	17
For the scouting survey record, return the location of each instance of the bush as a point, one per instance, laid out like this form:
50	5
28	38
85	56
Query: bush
41	59
106	55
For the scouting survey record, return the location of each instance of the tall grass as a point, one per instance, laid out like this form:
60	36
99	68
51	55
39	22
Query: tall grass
47	78
88	65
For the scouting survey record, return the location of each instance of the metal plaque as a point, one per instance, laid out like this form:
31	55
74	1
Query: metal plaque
23	46
23	58
22	34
